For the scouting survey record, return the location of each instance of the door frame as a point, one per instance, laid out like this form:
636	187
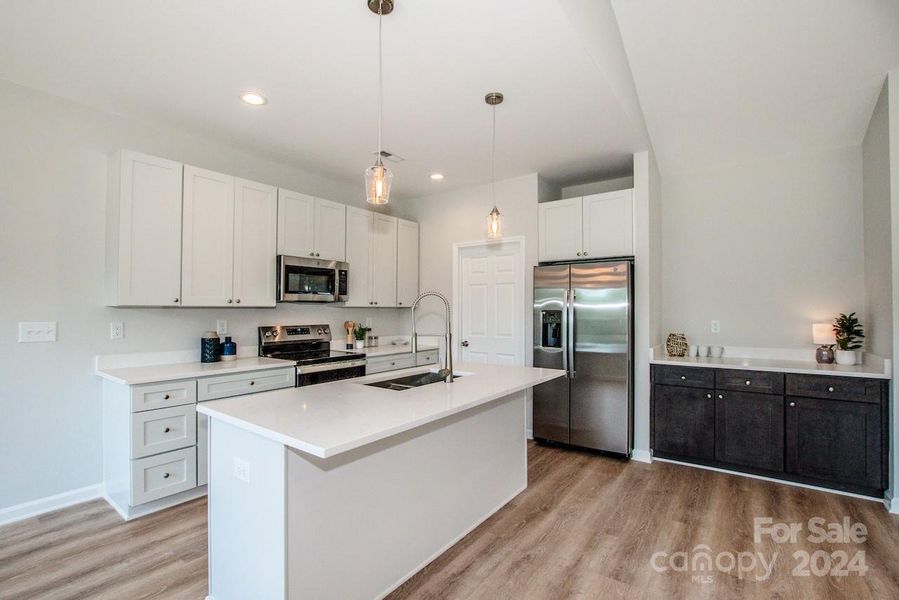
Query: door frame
458	247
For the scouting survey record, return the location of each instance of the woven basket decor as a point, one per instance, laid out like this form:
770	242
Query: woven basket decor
676	344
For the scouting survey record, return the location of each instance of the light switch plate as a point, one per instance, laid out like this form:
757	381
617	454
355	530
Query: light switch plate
241	469
116	331
716	326
37	331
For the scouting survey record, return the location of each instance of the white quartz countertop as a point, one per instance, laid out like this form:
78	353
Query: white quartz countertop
190	370
331	418
873	371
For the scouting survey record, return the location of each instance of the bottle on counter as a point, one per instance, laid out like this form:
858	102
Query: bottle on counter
210	347
229	349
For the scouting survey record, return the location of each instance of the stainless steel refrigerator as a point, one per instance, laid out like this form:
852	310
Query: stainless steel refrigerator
583	323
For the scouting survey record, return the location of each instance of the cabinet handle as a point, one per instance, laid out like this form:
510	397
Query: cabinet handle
238	300
748	382
792	404
166	397
229	300
167	429
830	389
166	475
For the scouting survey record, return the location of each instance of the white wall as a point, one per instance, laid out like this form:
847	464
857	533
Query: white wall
766	247
596	187
53	159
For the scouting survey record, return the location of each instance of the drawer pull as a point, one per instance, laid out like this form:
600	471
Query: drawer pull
708	395
252	383
166	397
830	389
166	475
748	382
792	404
683	377
721	396
167	429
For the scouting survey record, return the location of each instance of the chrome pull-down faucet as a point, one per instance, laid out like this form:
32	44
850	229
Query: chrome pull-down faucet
447	370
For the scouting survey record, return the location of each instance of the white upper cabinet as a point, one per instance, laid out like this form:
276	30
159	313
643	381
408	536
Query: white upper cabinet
311	227
330	230
143	237
255	243
371	251
296	224
560	229
207	265
595	226
383	255
358	255
406	262
608	224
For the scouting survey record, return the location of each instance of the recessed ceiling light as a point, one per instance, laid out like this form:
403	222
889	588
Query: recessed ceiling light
436	176
254	98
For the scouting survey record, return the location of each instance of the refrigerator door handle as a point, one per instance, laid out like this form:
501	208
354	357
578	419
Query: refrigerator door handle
565	332
569	347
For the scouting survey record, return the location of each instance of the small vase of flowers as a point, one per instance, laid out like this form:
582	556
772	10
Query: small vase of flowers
848	332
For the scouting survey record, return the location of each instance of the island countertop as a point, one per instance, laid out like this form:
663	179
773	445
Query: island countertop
329	419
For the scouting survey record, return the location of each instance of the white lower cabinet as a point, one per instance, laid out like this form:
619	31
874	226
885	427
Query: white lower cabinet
155	443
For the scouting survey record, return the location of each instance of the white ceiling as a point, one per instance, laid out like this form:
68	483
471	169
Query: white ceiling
185	62
727	81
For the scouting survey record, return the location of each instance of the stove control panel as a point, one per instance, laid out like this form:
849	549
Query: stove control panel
293	333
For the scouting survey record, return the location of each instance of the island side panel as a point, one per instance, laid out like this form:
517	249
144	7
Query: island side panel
246	514
361	523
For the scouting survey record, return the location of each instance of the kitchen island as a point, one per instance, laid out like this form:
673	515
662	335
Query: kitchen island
345	490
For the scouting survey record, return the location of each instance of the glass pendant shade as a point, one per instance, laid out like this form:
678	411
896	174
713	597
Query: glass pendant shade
494	224
377	184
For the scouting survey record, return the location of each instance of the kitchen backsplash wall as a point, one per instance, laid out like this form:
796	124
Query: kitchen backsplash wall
52	201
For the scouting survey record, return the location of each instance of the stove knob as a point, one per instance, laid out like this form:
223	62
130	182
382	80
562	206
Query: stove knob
327	330
268	334
320	331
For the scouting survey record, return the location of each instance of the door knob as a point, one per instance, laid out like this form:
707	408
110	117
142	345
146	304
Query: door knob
465	344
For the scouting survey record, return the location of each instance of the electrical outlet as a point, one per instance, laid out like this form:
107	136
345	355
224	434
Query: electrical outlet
716	326
37	331
221	327
116	331
241	469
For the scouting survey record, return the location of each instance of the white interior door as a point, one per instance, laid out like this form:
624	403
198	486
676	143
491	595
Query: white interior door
492	301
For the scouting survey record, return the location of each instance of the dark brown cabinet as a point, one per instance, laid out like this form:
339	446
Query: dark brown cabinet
823	430
749	430
685	419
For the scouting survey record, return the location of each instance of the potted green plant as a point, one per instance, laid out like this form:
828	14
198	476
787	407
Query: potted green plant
848	332
359	333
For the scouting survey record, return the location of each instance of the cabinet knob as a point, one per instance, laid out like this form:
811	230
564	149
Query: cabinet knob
376	302
312	254
166	475
175	301
792	404
585	253
166	397
229	300
399	303
830	389
317	254
708	395
167	429
238	300
683	377
252	383
578	253
748	382
721	396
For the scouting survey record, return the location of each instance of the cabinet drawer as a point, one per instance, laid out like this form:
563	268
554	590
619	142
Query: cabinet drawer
162	475
837	388
749	381
156	431
426	357
162	395
688	376
389	363
210	388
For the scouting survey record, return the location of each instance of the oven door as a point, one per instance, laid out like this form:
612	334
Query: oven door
309	280
323	373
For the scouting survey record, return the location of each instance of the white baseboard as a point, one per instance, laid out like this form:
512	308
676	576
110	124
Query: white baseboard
641	456
891	502
50	503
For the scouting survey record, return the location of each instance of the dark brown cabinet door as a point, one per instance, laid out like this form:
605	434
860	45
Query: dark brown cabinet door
684	422
749	430
834	441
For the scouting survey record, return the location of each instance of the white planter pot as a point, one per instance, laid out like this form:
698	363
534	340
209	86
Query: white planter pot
846	357
360	344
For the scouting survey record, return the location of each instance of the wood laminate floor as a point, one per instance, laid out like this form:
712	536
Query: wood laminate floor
586	527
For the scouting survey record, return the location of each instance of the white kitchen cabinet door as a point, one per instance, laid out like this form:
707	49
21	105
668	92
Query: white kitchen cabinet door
330	230
358	256
608	225
383	255
255	243
143	259
406	262
296	224
560	230
207	251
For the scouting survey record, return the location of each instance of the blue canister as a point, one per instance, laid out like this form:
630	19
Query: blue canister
229	349
210	347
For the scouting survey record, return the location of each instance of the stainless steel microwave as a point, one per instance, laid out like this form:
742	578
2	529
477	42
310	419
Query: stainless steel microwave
312	280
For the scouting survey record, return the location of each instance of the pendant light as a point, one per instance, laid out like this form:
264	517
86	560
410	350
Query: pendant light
378	177
494	219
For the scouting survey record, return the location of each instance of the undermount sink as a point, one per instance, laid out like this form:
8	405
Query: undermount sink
410	381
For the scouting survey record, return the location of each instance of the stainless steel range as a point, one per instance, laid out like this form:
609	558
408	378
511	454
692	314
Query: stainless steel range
310	347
